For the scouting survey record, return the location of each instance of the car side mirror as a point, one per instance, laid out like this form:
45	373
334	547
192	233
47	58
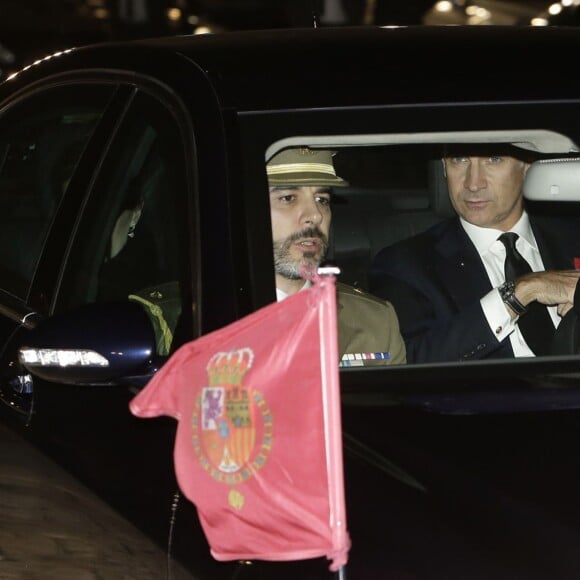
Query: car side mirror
97	344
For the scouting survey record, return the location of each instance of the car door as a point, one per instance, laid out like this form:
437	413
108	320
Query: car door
120	235
487	441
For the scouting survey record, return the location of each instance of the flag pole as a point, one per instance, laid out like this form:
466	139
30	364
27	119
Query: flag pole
332	418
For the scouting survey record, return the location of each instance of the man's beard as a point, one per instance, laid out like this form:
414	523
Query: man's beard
289	267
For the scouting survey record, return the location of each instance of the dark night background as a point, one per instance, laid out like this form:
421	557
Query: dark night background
31	29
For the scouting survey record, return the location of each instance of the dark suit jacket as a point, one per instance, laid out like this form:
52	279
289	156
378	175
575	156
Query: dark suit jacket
436	279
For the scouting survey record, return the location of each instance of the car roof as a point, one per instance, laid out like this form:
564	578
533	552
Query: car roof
352	66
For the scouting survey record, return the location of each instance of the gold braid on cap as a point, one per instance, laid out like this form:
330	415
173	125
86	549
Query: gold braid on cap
283	168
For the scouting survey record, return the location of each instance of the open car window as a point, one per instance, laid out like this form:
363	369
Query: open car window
397	189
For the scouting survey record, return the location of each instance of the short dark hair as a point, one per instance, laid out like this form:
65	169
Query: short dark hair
489	150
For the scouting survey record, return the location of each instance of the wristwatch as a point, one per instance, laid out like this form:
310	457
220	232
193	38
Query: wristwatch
506	291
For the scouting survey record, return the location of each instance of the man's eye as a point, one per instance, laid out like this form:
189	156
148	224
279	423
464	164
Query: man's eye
323	200
494	160
286	198
458	160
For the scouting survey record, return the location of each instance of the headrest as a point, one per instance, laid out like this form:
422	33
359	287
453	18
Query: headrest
553	180
303	166
440	203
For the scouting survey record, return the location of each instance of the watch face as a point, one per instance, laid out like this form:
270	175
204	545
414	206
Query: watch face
506	289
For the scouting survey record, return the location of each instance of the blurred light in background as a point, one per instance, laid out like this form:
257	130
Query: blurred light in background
477	15
444	6
174	14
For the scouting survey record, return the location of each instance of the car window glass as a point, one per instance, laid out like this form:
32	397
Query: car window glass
129	242
41	140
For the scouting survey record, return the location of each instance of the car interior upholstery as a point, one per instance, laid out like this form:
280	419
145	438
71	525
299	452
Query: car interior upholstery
365	221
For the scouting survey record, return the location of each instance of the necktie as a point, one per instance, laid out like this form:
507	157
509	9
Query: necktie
536	324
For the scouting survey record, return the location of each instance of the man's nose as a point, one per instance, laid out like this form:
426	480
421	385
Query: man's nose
475	176
311	213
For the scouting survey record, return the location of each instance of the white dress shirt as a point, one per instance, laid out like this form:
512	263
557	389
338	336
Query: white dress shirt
280	294
492	253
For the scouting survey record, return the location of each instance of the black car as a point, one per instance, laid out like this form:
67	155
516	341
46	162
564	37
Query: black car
132	178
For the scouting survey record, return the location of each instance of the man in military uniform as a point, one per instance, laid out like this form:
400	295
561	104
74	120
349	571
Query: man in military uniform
300	182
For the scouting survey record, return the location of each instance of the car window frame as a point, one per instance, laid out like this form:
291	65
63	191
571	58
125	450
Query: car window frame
467	390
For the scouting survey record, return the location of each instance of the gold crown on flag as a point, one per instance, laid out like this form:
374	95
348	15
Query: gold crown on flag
229	368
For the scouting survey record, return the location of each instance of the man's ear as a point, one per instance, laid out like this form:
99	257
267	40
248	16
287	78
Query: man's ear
444	167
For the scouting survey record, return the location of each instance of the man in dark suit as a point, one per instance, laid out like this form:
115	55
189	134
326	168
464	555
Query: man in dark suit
455	296
300	183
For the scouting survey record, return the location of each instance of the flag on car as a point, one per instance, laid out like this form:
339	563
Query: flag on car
258	447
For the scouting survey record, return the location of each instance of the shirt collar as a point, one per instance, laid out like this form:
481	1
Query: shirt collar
483	238
280	294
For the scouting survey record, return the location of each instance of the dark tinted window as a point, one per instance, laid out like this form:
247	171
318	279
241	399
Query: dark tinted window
130	241
41	140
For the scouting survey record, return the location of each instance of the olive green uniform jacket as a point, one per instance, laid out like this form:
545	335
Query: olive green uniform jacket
367	326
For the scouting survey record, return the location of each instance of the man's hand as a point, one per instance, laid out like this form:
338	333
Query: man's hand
552	287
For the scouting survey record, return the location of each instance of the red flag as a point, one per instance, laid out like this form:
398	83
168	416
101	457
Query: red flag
258	447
